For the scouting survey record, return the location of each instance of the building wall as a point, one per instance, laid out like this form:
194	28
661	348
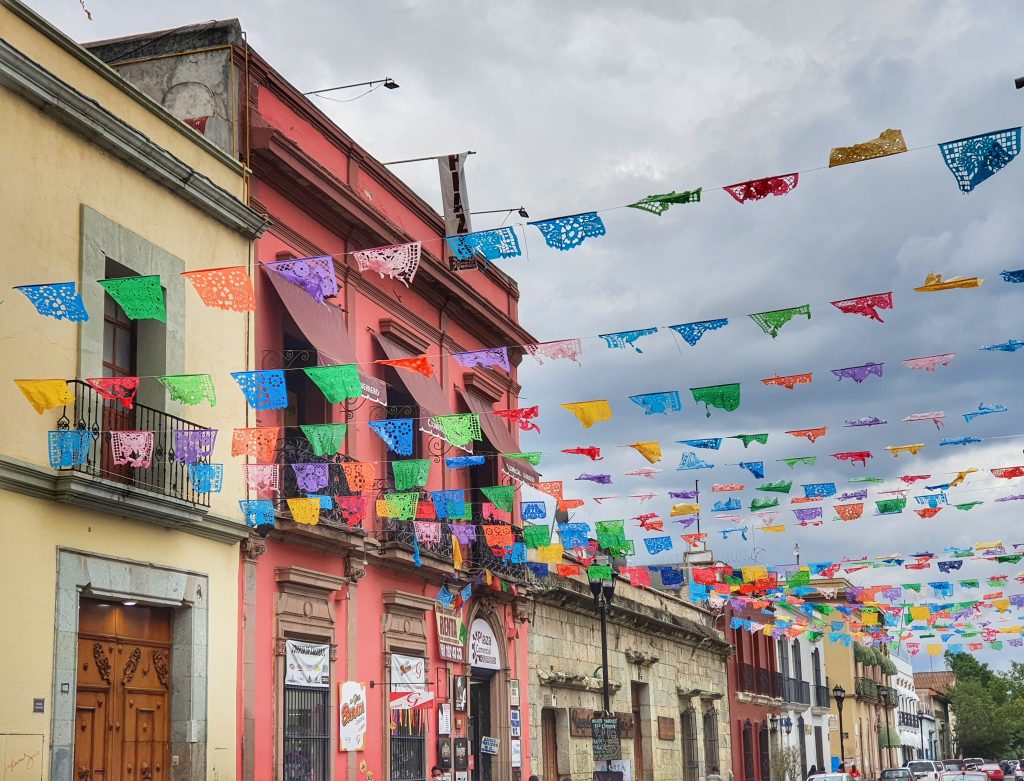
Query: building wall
671	672
71	197
753	699
906	714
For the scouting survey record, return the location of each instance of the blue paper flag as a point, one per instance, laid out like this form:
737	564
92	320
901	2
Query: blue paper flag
445	598
1013	277
257	512
397	434
565	233
973	160
537	569
756	468
693	461
573	535
206	478
656	545
60	301
1005	347
658	403
958	441
326	502
416	558
461	462
692	332
517	553
533	511
485	245
263	389
708	444
819	490
624	339
69	448
725	505
671	577
450	503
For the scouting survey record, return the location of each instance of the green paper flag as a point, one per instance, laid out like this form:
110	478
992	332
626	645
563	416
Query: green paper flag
610	534
141	298
599	572
813	637
725	397
746	439
530	458
537	536
460	430
969	583
659	204
1010	558
411	473
867	480
501	496
915	587
337	383
800	578
763	502
890	506
771	322
402	506
189	388
804	460
967	505
997	645
622	551
780	486
326	438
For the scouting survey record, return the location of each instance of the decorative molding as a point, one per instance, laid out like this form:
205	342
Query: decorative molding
484	385
399	332
303	605
117	499
641	658
576	681
90	120
131	666
160	667
253	547
102	662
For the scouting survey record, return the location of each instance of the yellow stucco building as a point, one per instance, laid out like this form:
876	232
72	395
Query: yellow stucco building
118	656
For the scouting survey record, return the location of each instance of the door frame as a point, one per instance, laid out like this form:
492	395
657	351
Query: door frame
80	573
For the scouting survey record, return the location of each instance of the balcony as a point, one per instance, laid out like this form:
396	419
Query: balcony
755	680
803	692
298	450
908	720
866	689
164	475
822	697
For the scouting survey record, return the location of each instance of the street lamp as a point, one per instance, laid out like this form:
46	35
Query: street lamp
521	211
839	694
920	723
603	590
773	722
787	724
387	81
796	552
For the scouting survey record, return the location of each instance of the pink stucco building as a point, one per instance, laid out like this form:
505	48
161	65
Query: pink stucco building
353	595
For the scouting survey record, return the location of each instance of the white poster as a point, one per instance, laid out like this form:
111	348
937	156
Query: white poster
517	752
409	683
623	766
444	719
483	646
461	775
453	194
307	664
352	710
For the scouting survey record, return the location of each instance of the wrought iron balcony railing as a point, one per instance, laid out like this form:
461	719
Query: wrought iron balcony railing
822	697
164	476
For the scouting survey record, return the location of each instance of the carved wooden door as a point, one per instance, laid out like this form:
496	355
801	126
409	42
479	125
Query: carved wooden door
123	696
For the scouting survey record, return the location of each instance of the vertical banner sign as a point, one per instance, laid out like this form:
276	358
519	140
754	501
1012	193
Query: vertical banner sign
605	737
513	692
517	753
453	194
461	753
409	683
515	724
444	719
352	710
307	664
460	693
451	634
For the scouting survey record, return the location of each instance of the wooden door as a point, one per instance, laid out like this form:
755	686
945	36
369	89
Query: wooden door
638	739
549	744
123	692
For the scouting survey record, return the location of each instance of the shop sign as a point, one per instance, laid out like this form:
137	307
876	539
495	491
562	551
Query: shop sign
515	723
489	746
605	738
516	752
483	646
444	719
444	753
409	683
352	713
626	726
666	728
460	753
307	664
451	634
579	722
513	692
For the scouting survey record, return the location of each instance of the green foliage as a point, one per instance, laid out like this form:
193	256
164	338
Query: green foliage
988	706
784	763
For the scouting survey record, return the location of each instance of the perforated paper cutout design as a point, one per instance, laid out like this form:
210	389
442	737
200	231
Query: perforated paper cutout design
692	461
790	381
257	512
450	503
854	456
889	142
325	438
310	478
189	389
934	283
501	495
190	445
523	416
590	412
263	389
397	262
69	448
692	332
314	275
305	511
337	383
756	189
564	349
396	433
259	443
725	397
141	298
810	434
485	245
533	457
61	301
624	339
756	468
487	359
46	394
859	373
206	478
659	204
566	233
262	477
867	306
460	430
660	403
649	450
771	322
418	364
224	288
974	159
122	389
464	462
132	448
412	473
533	511
929	363
747	439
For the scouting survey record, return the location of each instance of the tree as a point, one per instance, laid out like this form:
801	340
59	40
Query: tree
784	763
981	728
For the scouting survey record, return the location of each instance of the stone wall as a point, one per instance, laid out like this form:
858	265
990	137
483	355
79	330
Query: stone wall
663	657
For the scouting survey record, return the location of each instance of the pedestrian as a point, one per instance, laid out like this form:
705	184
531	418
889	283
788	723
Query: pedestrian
534	778
854	772
714	775
436	772
813	771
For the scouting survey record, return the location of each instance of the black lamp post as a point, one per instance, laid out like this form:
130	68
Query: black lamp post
773	722
839	694
603	590
920	723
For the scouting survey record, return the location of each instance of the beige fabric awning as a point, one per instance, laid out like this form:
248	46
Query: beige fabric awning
426	390
322	324
500	437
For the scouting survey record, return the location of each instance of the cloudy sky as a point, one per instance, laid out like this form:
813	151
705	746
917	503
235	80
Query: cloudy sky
580	106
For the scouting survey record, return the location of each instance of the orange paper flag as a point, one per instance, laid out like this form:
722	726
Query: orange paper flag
418	364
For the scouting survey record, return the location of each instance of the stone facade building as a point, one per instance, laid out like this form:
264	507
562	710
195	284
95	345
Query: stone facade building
667	670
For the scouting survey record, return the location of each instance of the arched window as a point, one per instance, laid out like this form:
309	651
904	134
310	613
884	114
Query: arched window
764	752
691	762
802	738
711	758
748	751
798	665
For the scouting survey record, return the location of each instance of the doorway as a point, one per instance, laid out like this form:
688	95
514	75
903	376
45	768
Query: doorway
638	695
480	722
122	704
549	744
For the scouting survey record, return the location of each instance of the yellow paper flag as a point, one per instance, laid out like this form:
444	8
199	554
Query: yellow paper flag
754	574
550	554
46	394
869	619
590	412
920	612
1002	605
305	511
934	649
684	509
890	142
772	529
456	554
649	450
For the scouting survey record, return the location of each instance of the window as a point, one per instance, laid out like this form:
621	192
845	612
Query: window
819	748
798	665
120	337
307	733
784	656
816	666
711	758
764	752
306	403
691	768
408	745
802	739
748	751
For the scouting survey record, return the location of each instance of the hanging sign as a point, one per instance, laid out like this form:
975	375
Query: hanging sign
515	723
373	389
409	683
307	664
513	692
460	694
451	634
483	646
352	710
489	746
444	719
453	194
605	738
444	753
461	753
516	752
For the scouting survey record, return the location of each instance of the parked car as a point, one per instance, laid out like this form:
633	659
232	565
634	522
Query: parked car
832	777
953	765
897	774
963	775
1018	771
993	770
973	763
925	769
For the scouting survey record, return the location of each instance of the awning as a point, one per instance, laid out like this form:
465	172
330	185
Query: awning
499	436
426	390
322	324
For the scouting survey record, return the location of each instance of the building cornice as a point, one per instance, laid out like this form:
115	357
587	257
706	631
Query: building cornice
118	499
87	118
